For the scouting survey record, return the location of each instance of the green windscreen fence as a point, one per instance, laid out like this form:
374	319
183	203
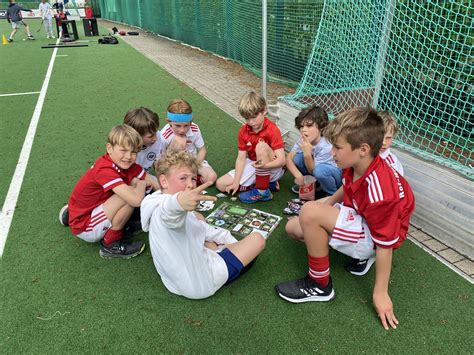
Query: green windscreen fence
231	28
413	58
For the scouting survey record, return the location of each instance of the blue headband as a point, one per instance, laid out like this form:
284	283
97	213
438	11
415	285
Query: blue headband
179	117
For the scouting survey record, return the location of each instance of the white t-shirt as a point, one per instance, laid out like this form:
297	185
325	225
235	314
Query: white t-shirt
46	10
392	160
194	139
147	156
177	237
321	152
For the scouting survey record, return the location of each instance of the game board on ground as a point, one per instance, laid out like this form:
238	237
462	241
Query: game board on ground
241	221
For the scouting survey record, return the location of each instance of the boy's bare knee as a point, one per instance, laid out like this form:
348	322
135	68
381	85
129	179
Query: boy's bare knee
259	240
310	211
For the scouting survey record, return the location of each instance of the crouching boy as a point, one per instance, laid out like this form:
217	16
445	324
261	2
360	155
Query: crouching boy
193	258
370	211
104	197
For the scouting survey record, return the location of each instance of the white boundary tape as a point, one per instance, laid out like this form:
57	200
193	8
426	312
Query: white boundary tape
6	215
21	93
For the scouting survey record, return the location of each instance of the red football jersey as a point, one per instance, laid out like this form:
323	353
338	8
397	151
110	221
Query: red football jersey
270	134
384	199
95	187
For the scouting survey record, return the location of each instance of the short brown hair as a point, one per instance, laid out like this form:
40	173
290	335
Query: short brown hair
358	125
179	106
313	115
143	120
174	158
125	136
251	105
389	122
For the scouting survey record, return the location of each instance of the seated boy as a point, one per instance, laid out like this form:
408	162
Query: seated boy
376	207
180	133
261	155
193	258
391	129
311	155
105	196
146	123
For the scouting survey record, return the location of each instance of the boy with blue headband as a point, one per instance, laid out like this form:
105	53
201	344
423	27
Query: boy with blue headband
181	134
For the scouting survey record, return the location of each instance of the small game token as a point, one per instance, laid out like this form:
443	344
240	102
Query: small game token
233	198
220	195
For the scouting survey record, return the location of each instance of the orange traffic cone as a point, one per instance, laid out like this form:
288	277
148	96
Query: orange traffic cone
4	39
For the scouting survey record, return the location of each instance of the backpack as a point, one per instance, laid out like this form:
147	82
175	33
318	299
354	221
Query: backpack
108	40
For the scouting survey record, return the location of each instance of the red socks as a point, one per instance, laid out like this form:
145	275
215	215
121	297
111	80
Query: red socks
262	178
112	235
319	270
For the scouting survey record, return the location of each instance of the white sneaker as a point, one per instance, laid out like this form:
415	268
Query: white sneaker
48	37
52	36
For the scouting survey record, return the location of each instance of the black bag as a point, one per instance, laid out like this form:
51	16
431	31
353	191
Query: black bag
108	40
133	33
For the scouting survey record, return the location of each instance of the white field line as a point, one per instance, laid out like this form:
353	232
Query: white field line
6	214
21	93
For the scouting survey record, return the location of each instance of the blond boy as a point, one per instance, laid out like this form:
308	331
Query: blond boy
261	157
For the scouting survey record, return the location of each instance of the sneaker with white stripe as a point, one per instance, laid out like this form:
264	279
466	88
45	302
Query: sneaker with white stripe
305	290
359	267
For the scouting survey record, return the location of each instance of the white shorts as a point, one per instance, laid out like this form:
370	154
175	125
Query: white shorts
351	235
16	24
248	176
98	225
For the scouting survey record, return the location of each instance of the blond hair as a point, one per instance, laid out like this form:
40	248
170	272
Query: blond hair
358	125
251	105
176	159
179	106
389	122
143	120
125	136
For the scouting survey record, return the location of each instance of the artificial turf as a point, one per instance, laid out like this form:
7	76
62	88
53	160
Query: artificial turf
58	295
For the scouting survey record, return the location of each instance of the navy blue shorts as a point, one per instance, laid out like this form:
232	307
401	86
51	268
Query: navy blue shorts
234	265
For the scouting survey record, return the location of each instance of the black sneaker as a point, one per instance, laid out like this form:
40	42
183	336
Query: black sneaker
30	37
359	267
121	249
10	40
305	290
64	216
134	224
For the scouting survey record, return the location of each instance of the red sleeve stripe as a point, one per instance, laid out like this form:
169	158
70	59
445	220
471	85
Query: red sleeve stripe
110	183
374	188
168	133
390	159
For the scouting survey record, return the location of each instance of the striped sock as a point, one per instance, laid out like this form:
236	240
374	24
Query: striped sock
319	270
262	178
112	235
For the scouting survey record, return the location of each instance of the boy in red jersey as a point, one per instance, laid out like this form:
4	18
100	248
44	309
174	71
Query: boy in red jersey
104	197
261	154
371	210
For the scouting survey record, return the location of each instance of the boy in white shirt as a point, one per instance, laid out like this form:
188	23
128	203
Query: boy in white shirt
193	258
181	133
46	12
391	129
311	155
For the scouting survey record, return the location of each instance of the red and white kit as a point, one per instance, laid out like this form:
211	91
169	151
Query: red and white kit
94	188
248	140
384	200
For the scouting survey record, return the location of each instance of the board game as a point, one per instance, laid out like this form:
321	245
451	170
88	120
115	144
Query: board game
241	221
